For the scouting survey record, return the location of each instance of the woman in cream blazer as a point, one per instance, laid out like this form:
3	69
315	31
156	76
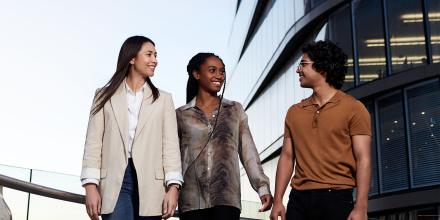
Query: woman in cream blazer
131	165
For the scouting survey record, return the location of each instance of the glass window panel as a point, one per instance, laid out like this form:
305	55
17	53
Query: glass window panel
424	127
393	150
316	3
425	213
16	200
339	32
434	21
59	181
368	13
407	38
44	208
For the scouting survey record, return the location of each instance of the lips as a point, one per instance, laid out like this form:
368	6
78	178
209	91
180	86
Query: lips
152	67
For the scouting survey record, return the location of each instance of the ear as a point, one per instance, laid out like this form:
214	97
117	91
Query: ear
196	75
132	61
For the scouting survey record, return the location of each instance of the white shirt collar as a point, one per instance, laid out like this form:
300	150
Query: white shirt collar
130	91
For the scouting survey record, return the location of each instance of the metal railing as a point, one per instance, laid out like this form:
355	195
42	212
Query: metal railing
32	188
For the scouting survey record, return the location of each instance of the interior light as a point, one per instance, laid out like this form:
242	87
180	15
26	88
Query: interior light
380	61
402	41
418	17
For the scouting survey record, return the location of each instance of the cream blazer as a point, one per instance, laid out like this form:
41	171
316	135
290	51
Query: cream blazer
155	149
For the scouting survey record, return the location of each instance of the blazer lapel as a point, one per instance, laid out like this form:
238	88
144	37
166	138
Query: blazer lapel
120	109
145	112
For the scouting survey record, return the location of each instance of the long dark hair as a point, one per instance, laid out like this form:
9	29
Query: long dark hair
192	86
129	50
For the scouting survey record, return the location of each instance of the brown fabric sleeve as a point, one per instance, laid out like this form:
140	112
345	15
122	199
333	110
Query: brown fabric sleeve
360	122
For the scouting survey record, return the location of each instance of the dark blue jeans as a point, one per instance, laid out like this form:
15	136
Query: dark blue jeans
127	206
319	204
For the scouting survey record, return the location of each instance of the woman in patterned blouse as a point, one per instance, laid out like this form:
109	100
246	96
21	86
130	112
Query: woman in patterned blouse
214	135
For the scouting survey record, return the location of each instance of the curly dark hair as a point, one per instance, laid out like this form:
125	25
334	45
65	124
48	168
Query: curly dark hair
329	60
192	86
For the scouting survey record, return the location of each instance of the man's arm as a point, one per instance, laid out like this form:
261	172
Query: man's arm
283	175
362	153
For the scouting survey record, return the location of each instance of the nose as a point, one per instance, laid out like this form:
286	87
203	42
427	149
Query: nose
298	69
219	75
155	59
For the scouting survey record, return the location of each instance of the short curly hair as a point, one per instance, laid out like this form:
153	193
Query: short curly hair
329	60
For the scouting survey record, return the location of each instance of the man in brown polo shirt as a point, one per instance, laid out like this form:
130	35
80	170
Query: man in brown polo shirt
327	140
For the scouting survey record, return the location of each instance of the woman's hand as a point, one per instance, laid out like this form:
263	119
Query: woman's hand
266	201
93	201
170	202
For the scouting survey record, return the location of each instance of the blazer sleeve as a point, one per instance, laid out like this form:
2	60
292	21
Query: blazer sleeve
250	159
91	164
170	140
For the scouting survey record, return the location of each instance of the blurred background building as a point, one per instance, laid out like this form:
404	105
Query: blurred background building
394	65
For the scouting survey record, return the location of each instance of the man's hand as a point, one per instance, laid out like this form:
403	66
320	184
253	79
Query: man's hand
93	201
266	201
170	202
358	214
278	210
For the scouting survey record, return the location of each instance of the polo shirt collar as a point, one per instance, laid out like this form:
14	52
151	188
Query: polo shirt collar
336	98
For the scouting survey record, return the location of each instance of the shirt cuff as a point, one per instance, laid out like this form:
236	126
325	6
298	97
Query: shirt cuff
173	177
264	190
90	173
85	181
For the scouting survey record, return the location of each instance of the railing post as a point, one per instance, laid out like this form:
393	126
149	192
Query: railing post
5	213
29	197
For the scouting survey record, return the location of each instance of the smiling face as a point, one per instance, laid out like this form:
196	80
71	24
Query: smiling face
308	76
211	75
145	61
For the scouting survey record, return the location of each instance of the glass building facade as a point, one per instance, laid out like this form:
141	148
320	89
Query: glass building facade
393	68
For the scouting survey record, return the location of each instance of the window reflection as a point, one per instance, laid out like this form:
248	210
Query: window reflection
339	32
425	213
406	38
393	156
424	127
369	31
311	4
434	21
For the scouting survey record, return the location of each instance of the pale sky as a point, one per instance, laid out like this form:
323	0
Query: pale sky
54	54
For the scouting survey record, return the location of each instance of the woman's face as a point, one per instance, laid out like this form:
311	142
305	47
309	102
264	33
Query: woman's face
211	75
145	61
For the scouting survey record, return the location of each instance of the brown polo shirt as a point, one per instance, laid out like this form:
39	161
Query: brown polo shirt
322	141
